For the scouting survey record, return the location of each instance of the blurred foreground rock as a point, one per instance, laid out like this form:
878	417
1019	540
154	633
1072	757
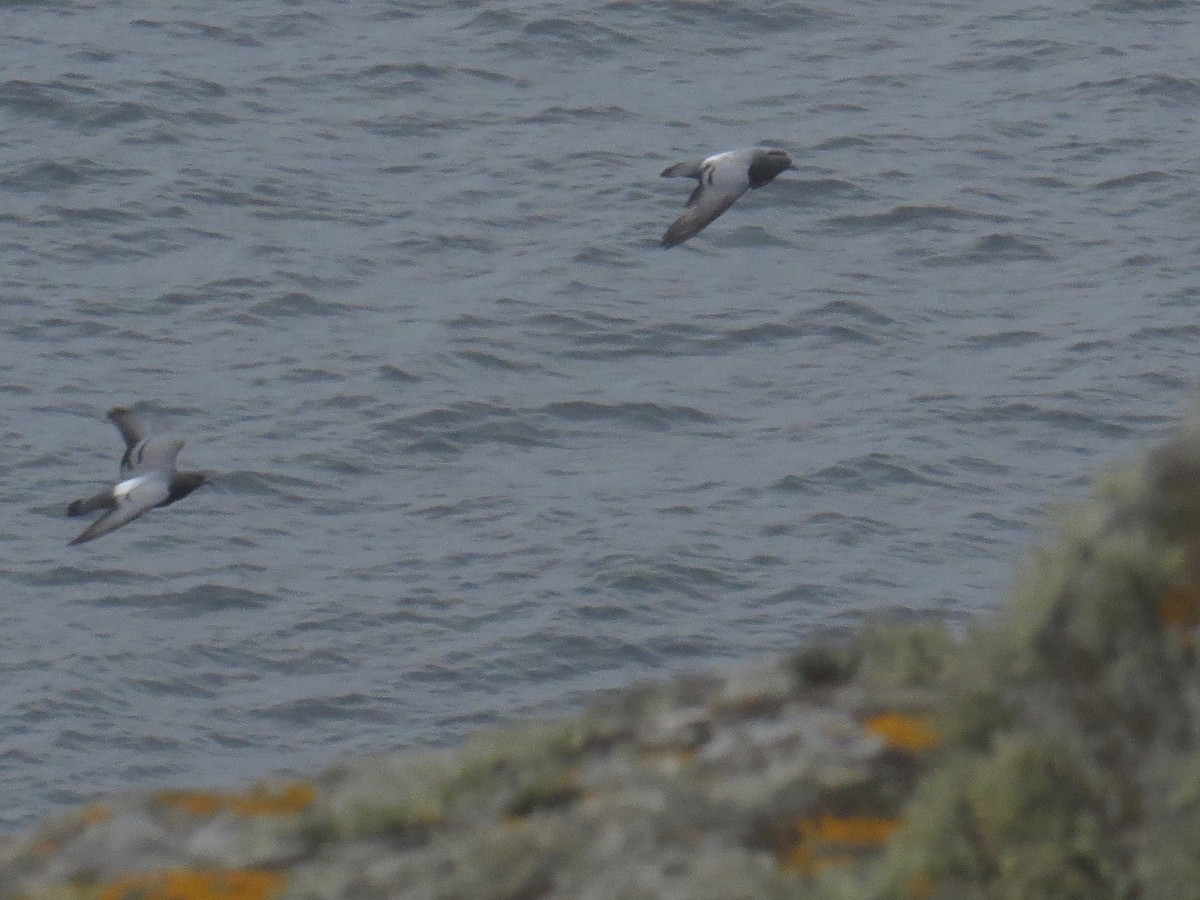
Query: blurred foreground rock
1050	753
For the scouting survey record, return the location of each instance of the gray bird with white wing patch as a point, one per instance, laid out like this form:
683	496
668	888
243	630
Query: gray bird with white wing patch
148	479
723	178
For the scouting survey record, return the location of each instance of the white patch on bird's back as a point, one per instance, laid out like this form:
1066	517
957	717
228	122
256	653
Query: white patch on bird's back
123	489
726	172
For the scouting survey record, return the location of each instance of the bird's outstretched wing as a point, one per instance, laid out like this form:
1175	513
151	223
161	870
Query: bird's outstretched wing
156	455
141	454
128	424
705	204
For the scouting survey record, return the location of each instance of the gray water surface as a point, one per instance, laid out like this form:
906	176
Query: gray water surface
483	447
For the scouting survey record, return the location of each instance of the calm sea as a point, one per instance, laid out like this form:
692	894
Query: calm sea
484	449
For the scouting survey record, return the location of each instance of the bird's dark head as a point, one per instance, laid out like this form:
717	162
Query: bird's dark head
766	165
183	483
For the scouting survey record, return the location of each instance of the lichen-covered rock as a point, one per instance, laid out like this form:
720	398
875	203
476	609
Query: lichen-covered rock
1052	753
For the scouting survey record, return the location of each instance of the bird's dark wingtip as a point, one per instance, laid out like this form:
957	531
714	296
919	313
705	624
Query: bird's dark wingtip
679	232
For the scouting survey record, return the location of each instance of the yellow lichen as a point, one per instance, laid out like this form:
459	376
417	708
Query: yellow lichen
1179	606
293	798
46	847
824	840
185	884
921	887
196	803
94	814
907	732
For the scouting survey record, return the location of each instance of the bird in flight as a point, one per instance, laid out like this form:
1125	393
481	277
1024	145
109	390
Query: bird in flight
148	478
723	178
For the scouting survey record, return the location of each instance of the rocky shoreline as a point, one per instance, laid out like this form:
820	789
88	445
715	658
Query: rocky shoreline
1050	753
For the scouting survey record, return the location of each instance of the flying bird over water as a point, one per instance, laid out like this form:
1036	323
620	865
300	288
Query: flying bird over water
723	178
148	479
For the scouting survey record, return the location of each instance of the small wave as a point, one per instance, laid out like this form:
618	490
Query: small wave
93	214
389	80
71	104
575	38
1013	338
643	575
794	484
473	322
456	428
844	142
763	333
234	291
55	576
1002	247
807	594
1168	87
858	311
937	218
203	598
339	708
300	303
1067	418
604	255
594	336
656	416
850	530
495	361
845	321
495	77
236	37
53	174
873	471
494	19
1164	88
266	484
1133	180
421	71
395	373
179	84
1021	55
36	100
1183	330
567	114
752	236
44	176
825	189
432	244
769	17
1141	6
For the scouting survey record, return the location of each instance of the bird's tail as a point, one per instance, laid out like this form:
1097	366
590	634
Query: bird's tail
102	500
